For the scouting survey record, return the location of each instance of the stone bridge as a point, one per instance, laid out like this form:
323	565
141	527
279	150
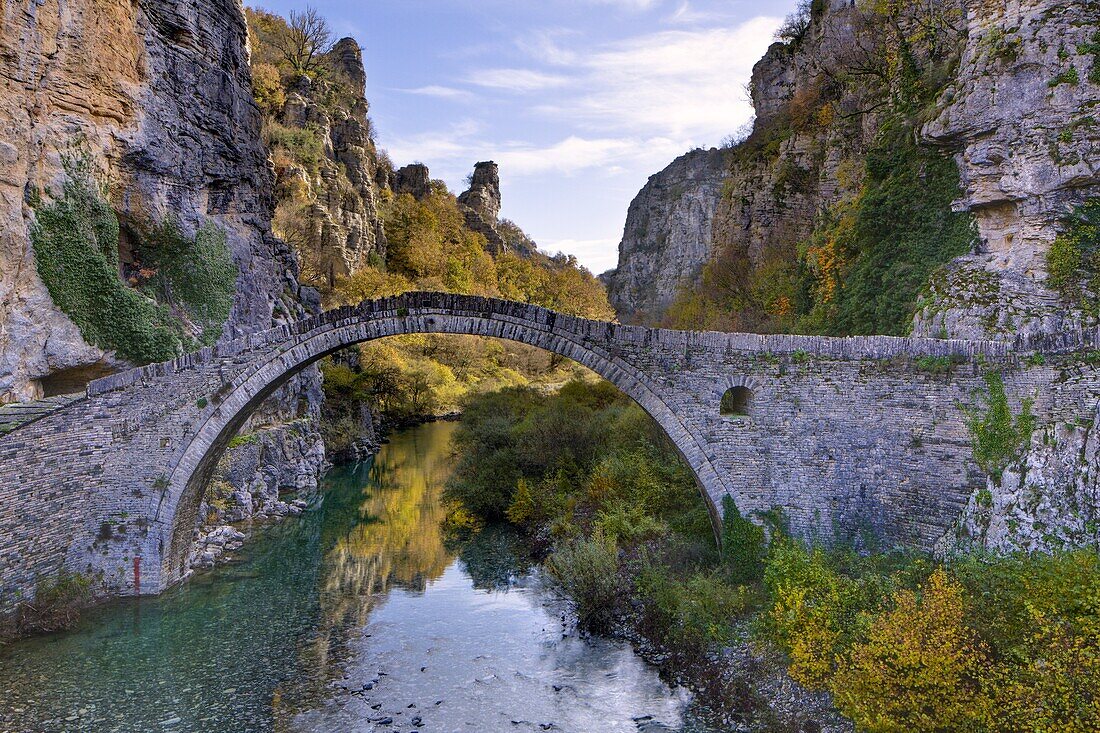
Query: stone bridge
846	435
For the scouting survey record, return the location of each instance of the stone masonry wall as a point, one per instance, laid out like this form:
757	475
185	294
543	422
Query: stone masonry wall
852	437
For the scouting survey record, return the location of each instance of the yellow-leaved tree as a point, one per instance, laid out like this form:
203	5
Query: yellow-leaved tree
921	668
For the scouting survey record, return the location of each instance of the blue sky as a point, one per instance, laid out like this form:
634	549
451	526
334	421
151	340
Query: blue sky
579	101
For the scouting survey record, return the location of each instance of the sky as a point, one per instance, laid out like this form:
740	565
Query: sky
578	101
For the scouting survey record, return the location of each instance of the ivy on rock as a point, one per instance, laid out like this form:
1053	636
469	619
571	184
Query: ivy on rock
75	238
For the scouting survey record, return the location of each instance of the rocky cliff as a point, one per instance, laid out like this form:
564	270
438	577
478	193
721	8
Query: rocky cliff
157	97
159	93
943	193
329	173
1019	117
1003	92
667	238
480	205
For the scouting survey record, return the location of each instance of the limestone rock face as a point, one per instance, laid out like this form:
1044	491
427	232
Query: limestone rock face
1048	500
270	463
481	204
483	196
414	180
667	237
1020	119
330	213
347	58
159	93
750	203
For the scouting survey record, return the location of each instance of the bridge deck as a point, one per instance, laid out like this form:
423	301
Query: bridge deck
17	414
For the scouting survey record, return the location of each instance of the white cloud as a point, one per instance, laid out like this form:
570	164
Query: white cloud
517	80
447	144
686	14
585	122
567	156
439	92
676	83
576	154
627	4
598	255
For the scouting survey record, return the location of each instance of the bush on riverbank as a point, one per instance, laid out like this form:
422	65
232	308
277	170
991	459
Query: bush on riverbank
901	643
57	605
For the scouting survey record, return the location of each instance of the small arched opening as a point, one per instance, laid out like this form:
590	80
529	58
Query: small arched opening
736	402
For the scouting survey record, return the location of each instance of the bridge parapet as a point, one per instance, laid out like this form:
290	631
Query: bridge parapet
424	303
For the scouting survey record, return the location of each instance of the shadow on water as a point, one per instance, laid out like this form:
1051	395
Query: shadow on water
337	621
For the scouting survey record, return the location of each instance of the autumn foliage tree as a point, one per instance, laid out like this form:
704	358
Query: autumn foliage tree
920	668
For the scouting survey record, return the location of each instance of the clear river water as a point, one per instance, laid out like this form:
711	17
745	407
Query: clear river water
357	616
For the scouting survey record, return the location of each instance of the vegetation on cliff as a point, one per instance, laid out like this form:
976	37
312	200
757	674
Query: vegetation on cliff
180	288
881	67
430	248
900	641
1073	260
420	243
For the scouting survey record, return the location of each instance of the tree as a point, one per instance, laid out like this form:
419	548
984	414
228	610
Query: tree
306	38
797	24
920	668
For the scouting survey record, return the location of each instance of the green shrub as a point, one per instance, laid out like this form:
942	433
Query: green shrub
242	440
194	274
57	604
304	145
743	547
1066	76
587	572
935	364
997	438
1074	256
902	229
691	614
629	523
1092	47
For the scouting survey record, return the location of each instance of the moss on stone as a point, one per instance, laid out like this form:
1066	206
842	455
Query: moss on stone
75	240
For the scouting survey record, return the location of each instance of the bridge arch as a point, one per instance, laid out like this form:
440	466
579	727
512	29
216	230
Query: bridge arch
591	343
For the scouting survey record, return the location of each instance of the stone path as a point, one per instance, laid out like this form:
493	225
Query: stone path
17	414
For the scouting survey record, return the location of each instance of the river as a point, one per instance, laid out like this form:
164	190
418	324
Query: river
358	616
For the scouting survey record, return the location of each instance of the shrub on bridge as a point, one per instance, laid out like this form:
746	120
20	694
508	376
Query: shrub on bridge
56	605
743	545
999	438
1074	256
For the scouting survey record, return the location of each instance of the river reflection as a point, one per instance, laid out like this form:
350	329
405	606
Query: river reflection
357	617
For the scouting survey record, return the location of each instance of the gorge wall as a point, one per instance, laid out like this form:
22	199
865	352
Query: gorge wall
668	235
1007	92
133	81
157	96
832	214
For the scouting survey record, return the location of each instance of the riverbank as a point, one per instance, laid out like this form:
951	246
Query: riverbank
773	634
